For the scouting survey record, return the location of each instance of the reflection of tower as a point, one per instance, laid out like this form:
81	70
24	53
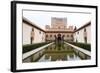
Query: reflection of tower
58	23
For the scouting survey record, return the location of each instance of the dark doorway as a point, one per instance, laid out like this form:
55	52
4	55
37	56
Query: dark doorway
59	37
85	39
31	40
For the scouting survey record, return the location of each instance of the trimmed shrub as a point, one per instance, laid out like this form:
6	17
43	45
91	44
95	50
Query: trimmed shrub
30	47
82	45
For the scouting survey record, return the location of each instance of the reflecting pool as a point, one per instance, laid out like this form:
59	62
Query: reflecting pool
57	52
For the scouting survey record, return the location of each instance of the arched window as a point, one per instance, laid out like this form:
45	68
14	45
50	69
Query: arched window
63	35
50	35
32	29
71	35
54	35
78	32
46	36
84	29
67	35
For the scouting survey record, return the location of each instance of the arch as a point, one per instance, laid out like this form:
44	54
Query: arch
59	37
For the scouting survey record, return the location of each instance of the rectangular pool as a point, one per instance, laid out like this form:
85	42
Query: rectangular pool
57	52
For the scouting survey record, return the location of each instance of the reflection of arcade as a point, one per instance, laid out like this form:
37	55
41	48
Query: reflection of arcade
59	48
63	52
59	52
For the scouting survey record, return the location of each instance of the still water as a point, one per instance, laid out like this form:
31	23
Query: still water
57	52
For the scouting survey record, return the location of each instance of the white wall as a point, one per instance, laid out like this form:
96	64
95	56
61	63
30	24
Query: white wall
89	34
38	37
79	35
5	49
26	33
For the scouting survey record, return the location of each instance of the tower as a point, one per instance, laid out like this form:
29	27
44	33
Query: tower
58	23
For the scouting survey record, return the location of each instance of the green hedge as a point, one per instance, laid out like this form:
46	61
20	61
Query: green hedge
30	47
82	45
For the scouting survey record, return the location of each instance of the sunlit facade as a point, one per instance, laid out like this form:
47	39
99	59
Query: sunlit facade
59	27
32	33
83	34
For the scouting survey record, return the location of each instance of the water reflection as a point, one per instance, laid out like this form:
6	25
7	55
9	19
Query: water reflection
57	52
